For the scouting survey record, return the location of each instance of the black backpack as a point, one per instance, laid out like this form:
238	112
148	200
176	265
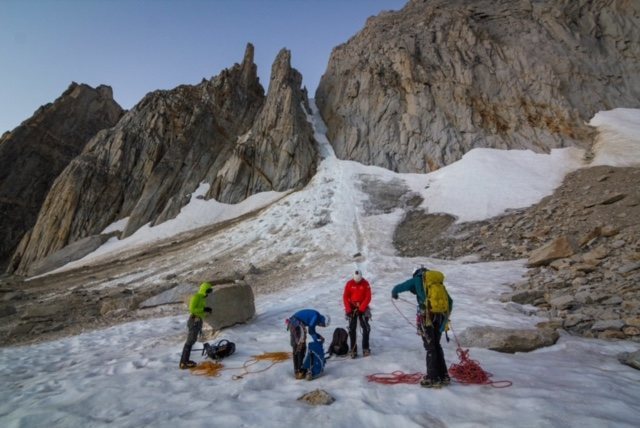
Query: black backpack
220	350
339	345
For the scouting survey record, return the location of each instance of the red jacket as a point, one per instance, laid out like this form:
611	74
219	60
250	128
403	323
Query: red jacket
356	295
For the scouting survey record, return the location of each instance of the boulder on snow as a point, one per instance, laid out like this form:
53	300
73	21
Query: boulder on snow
507	340
318	397
181	293
230	304
631	359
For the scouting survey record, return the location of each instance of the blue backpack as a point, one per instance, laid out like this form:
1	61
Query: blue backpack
314	361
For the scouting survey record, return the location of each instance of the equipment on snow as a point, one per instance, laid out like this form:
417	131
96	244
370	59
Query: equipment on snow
220	350
339	345
314	361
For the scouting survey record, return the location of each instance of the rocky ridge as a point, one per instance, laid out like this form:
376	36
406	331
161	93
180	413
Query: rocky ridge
278	153
35	153
418	88
145	167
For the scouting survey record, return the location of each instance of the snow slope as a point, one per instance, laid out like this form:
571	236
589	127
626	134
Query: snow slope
127	375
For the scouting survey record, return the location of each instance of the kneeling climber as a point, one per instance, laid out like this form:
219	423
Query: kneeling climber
297	325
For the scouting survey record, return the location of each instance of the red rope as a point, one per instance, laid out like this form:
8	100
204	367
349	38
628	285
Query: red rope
469	372
395	377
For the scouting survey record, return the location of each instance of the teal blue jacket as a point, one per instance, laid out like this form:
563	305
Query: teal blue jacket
416	286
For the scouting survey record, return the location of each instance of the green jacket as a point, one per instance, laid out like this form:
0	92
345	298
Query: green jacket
199	300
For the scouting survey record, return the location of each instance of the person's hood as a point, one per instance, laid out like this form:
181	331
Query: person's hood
324	320
204	287
433	277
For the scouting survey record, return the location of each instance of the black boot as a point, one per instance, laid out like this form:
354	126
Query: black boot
185	362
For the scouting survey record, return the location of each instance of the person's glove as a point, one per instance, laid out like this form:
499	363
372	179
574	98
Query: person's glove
320	338
347	316
207	310
394	296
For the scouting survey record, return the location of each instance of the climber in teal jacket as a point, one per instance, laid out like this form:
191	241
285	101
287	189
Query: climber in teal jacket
197	310
430	323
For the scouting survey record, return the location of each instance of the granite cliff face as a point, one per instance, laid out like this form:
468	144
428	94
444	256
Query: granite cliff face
279	152
418	88
146	167
33	154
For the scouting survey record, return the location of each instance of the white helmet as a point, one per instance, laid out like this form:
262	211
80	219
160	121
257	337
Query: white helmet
357	276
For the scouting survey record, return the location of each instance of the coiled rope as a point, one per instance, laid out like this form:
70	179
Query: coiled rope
466	372
469	372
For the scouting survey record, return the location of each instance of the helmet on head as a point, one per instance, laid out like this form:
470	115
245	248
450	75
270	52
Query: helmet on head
357	276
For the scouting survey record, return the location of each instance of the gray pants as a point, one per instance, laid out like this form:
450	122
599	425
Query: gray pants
194	326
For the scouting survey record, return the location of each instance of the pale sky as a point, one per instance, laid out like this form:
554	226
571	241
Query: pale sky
137	46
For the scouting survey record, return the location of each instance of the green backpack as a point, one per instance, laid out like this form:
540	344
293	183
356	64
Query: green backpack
437	296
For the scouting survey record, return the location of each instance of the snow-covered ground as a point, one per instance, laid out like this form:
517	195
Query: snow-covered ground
127	375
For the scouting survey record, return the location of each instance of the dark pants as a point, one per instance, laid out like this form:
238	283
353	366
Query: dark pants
194	325
431	334
364	325
298	340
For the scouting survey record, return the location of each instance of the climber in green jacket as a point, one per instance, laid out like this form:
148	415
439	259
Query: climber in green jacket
197	310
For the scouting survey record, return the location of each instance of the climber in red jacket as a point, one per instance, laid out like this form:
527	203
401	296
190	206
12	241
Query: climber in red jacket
356	298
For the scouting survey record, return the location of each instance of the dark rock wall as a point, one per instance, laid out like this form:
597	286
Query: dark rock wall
36	152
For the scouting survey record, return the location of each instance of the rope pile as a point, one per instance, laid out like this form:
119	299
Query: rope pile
469	372
208	368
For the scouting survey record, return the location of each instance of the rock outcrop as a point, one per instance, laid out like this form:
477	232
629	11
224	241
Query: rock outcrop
418	88
230	304
35	153
591	289
279	151
147	166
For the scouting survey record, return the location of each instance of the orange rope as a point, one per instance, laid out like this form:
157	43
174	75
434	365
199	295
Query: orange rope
213	368
274	357
207	368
